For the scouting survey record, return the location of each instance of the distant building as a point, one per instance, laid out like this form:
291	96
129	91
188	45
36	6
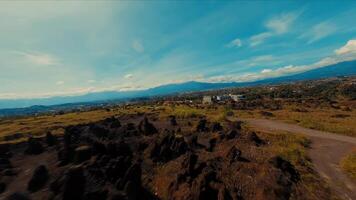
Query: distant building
237	97
207	100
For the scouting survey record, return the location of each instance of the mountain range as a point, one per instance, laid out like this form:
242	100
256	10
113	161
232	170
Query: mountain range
340	69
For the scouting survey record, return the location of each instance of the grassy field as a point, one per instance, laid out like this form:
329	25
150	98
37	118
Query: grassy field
331	120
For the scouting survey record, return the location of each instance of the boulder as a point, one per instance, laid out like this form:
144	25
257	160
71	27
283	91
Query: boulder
33	146
168	147
233	155
173	120
131	181
10	172
286	167
255	139
5	151
98	194
5	163
236	125
147	128
112	122
82	153
212	144
51	139
65	155
74	183
216	126
2	187
232	134
38	179
18	196
201	127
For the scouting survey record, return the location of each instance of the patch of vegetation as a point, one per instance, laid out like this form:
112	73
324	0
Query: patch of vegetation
293	148
186	112
348	164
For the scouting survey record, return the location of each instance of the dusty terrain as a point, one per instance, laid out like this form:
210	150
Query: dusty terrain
142	157
326	152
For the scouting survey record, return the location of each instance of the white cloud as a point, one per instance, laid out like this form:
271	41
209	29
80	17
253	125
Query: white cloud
59	82
128	76
319	31
259	38
281	24
266	71
276	26
235	43
91	81
38	58
138	46
349	48
345	53
262	60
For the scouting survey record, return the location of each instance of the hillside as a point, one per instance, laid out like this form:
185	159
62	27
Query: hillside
340	69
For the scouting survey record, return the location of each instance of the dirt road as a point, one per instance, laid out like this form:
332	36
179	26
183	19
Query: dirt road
326	151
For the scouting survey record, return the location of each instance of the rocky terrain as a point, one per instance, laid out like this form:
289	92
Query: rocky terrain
142	157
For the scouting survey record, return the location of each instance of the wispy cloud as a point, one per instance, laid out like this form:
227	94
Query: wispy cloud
234	43
59	82
128	76
345	53
138	46
38	58
319	31
276	26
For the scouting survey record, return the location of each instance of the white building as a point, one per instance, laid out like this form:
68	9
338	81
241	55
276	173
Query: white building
207	100
237	97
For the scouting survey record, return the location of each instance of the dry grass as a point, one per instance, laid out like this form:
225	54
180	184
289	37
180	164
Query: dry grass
39	125
319	119
293	147
348	164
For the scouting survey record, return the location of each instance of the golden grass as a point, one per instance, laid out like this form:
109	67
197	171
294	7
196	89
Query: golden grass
39	125
319	119
348	164
293	147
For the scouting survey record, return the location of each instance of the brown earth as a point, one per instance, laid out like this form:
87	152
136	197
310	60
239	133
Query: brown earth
326	152
133	157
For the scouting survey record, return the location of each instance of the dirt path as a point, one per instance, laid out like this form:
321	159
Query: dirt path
326	152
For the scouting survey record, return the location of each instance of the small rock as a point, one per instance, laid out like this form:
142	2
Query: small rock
234	154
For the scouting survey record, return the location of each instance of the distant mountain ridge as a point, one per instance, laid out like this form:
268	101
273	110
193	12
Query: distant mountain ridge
340	69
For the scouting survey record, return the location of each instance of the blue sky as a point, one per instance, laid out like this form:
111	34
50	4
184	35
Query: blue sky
52	48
